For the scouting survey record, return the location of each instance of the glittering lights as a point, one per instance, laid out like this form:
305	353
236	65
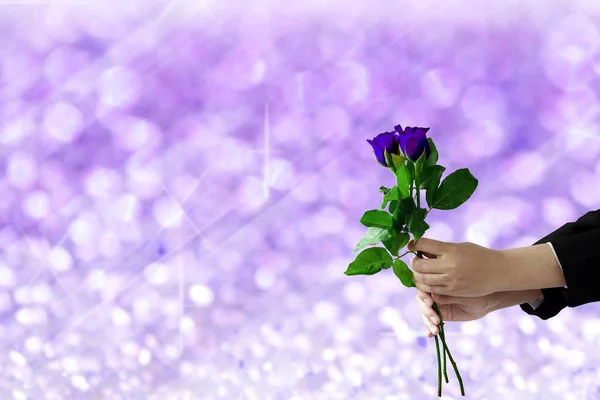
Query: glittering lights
163	235
63	121
201	295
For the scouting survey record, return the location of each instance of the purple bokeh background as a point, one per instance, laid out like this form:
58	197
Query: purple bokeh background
182	182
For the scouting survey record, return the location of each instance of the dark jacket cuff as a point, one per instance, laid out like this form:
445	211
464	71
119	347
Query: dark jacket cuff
579	255
554	301
577	248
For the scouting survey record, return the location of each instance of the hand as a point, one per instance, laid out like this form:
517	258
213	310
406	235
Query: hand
452	309
457	269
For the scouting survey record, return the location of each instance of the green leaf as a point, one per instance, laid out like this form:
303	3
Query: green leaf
403	177
433	155
411	171
416	223
405	207
403	180
455	189
377	218
393	205
398	160
384	203
419	164
433	182
433	174
396	242
403	273
384	190
393	194
370	262
373	236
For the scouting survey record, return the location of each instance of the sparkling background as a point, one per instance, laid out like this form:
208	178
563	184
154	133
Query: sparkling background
182	183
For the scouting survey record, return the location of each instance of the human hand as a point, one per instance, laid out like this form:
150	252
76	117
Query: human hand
457	269
452	308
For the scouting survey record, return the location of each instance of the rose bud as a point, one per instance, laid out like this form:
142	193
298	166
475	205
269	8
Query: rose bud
413	141
387	141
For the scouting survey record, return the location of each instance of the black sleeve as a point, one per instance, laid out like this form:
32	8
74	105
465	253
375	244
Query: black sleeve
577	246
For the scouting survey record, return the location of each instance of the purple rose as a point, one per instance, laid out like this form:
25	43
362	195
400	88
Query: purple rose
412	141
382	142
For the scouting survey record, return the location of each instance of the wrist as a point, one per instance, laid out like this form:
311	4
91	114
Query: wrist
501	300
507	275
511	277
527	268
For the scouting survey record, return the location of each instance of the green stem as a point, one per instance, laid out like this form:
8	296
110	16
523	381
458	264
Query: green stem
443	338
445	350
417	189
416	180
419	198
405	254
437	348
441	326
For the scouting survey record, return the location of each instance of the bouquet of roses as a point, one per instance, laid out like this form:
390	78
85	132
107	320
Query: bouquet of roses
412	158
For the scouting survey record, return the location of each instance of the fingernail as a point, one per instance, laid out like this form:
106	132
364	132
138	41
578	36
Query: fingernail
433	319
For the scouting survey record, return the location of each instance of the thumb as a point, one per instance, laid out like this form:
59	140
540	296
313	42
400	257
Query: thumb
426	245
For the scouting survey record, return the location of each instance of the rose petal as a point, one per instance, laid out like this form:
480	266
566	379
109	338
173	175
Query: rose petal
378	152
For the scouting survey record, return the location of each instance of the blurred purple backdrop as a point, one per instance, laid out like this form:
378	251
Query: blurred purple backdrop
182	183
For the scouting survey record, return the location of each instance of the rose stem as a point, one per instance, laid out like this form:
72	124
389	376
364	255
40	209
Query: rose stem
443	336
437	345
462	388
437	348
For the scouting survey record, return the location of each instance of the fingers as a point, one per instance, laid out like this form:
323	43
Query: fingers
428	266
428	245
428	316
432	329
430	279
426	297
431	288
430	298
429	313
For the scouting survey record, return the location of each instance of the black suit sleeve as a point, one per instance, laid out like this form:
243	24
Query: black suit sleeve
577	246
